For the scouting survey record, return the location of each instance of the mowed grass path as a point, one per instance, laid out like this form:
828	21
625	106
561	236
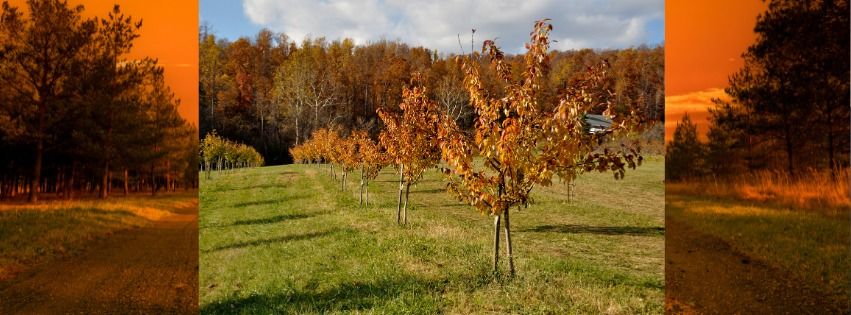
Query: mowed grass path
809	249
285	239
34	234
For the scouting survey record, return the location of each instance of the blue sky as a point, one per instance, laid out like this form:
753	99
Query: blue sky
436	24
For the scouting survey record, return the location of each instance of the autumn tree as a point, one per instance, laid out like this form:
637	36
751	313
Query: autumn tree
411	139
370	161
318	83
524	143
223	154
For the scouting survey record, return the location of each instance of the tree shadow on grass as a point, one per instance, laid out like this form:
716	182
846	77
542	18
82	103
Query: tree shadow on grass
282	239
405	294
274	219
428	191
263	186
601	230
268	202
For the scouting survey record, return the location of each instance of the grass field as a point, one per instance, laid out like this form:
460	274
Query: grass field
40	233
811	246
284	239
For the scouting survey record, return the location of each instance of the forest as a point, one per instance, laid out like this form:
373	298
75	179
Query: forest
272	92
77	116
787	113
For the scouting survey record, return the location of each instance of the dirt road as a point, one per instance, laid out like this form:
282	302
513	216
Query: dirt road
704	275
149	270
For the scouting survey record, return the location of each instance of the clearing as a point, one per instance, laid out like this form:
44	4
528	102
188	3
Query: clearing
285	239
132	255
725	256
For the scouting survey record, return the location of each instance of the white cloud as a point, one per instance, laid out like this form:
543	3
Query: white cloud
435	24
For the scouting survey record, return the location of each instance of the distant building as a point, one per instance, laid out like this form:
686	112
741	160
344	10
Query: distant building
597	124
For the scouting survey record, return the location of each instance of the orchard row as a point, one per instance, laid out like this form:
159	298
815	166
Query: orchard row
517	142
222	154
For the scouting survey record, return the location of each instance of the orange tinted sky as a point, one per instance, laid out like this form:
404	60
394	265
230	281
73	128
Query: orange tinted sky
169	33
704	41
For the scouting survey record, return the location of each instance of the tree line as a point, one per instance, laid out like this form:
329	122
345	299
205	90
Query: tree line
520	138
77	116
222	154
789	104
272	92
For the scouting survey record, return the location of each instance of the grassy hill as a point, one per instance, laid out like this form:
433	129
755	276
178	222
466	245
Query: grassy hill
285	239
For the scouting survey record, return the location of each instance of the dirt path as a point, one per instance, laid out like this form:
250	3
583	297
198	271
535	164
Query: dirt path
704	275
149	270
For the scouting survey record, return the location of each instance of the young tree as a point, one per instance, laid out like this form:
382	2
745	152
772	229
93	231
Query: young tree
370	161
348	156
522	142
411	139
685	154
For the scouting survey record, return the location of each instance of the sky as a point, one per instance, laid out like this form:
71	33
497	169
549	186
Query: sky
169	33
437	24
704	41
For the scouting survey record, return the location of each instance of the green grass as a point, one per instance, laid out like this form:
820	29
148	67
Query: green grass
32	234
811	246
284	239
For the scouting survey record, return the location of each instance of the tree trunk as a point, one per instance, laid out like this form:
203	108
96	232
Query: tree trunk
126	182
830	164
168	175
153	181
367	192
401	186
405	211
508	241
57	184
496	243
104	193
39	153
361	185
70	185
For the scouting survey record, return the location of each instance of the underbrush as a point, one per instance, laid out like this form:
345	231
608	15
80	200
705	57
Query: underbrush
818	191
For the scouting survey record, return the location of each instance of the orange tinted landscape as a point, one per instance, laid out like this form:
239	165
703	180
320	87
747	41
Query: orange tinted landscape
705	40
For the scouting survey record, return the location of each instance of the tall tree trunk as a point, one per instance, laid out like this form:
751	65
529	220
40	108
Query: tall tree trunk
58	183
789	153
126	182
508	241
167	175
104	193
401	187
830	164
70	185
39	152
153	181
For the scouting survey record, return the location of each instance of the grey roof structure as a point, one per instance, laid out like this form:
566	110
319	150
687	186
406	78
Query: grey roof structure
597	123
